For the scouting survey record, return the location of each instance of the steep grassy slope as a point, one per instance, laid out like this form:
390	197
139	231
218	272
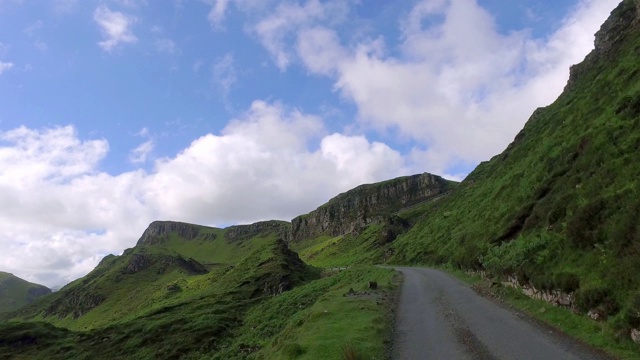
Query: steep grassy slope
559	207
15	292
117	289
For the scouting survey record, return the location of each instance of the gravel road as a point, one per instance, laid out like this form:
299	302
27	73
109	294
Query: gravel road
439	317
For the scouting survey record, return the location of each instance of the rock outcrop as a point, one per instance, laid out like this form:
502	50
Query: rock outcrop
159	231
141	261
243	232
624	19
367	204
555	297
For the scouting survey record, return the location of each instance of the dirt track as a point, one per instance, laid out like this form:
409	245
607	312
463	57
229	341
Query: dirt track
439	317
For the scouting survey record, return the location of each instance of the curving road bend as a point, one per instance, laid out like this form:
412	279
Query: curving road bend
439	317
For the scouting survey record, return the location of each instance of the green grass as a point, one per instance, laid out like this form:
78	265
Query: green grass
15	292
364	248
212	247
197	321
596	334
559	207
316	320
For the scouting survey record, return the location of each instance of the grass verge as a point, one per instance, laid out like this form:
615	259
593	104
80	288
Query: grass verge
321	319
595	334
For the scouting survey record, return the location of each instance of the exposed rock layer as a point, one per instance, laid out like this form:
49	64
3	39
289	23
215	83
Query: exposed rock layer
366	204
244	232
158	232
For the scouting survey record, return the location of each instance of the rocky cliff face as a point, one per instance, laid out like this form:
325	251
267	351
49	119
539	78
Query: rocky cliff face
158	232
366	204
623	20
244	232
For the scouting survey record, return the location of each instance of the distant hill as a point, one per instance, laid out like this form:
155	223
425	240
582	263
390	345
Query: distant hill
15	292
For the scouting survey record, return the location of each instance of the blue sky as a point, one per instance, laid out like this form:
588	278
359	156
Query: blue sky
115	113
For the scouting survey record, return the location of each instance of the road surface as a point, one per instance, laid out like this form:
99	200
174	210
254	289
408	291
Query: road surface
439	317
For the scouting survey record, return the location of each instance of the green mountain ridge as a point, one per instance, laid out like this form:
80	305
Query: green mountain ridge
556	211
16	292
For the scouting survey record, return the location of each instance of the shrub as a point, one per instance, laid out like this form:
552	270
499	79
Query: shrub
596	297
582	227
350	352
292	351
566	281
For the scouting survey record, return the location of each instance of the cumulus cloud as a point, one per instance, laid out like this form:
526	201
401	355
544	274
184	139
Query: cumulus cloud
275	30
455	84
140	154
4	66
61	214
115	27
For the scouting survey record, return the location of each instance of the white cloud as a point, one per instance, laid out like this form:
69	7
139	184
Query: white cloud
224	73
166	46
61	214
458	87
115	27
140	154
4	66
275	31
217	14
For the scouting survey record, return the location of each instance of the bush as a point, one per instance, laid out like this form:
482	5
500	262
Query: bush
566	281
583	226
350	352
514	255
599	297
293	350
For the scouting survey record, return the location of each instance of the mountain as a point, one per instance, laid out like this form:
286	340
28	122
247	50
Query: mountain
15	292
555	214
558	210
366	204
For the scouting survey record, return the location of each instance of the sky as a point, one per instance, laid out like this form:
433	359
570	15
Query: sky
116	113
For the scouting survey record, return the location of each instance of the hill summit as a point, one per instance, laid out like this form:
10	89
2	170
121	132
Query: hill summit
15	292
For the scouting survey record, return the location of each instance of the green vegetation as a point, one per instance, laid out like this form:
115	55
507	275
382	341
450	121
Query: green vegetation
596	334
15	292
557	210
559	207
155	302
316	320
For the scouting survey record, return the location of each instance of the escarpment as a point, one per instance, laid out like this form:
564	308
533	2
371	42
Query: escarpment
159	231
244	232
366	204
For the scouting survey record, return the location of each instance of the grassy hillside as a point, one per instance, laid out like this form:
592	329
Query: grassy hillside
559	207
15	292
189	314
266	307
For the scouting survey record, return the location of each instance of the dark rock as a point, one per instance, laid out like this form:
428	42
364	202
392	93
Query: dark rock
159	231
244	232
366	204
373	285
624	19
